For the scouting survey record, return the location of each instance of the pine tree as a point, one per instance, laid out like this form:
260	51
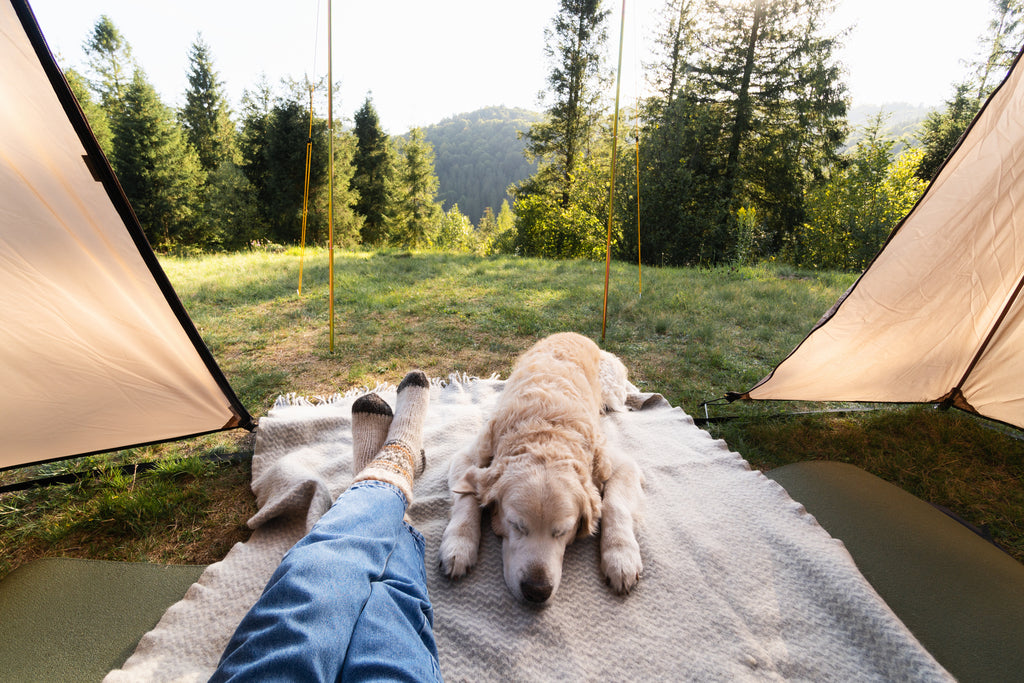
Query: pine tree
347	223
682	217
681	166
206	116
554	212
772	66
284	152
284	159
942	129
253	161
675	48
372	174
272	147
94	113
111	63
573	46
160	173
416	213
999	47
230	207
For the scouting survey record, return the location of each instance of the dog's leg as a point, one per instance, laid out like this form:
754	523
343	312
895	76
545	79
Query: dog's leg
460	543
620	553
613	382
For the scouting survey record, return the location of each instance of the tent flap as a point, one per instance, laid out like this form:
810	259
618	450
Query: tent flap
937	316
98	352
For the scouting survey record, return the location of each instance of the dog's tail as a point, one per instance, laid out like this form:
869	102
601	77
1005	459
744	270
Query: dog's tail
614	383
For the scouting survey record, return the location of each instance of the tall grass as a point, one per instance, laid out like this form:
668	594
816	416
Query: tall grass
693	335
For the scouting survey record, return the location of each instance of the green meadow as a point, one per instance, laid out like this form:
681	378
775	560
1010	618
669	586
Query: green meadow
690	334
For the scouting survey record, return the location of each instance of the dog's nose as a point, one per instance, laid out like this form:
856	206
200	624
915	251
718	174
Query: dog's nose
536	591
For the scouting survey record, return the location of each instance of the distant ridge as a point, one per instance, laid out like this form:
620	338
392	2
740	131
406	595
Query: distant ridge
904	122
477	155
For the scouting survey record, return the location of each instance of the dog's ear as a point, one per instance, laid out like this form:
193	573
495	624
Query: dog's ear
479	482
588	501
484	445
469	482
498	520
590	511
602	468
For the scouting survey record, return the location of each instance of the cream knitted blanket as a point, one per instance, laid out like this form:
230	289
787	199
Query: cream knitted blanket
739	582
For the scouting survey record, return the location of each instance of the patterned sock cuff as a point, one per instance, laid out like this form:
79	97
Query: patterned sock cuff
395	463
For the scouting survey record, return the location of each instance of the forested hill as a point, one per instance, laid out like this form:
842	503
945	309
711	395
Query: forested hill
478	155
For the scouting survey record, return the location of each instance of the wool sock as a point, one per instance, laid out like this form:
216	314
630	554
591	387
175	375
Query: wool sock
401	458
371	418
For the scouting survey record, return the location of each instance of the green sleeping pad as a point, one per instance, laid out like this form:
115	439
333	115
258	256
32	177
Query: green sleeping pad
958	593
75	620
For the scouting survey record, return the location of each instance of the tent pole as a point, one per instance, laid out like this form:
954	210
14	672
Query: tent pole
611	183
639	260
305	191
330	162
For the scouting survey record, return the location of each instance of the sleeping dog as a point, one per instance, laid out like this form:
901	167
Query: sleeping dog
542	466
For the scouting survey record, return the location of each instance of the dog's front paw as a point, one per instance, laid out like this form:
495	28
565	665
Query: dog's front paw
458	552
621	565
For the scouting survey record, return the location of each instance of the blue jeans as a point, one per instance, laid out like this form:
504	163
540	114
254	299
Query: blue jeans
348	602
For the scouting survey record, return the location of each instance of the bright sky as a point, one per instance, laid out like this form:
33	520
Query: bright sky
424	61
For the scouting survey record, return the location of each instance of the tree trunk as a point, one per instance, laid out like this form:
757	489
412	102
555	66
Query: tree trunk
573	124
741	124
677	40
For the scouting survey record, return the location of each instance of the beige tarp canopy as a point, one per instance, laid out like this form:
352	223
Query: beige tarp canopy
96	350
937	317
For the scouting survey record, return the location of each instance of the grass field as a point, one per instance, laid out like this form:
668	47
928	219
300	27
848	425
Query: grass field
693	335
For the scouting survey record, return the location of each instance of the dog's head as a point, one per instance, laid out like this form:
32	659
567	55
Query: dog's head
538	507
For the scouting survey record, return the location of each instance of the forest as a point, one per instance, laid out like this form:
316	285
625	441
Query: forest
478	156
746	150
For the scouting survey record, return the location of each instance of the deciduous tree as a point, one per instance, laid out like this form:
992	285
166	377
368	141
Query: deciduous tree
852	214
455	232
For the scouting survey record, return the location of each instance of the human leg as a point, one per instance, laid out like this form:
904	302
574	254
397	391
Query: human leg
385	646
302	626
401	458
371	420
359	572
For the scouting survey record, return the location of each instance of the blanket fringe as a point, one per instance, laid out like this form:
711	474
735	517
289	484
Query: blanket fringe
293	399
